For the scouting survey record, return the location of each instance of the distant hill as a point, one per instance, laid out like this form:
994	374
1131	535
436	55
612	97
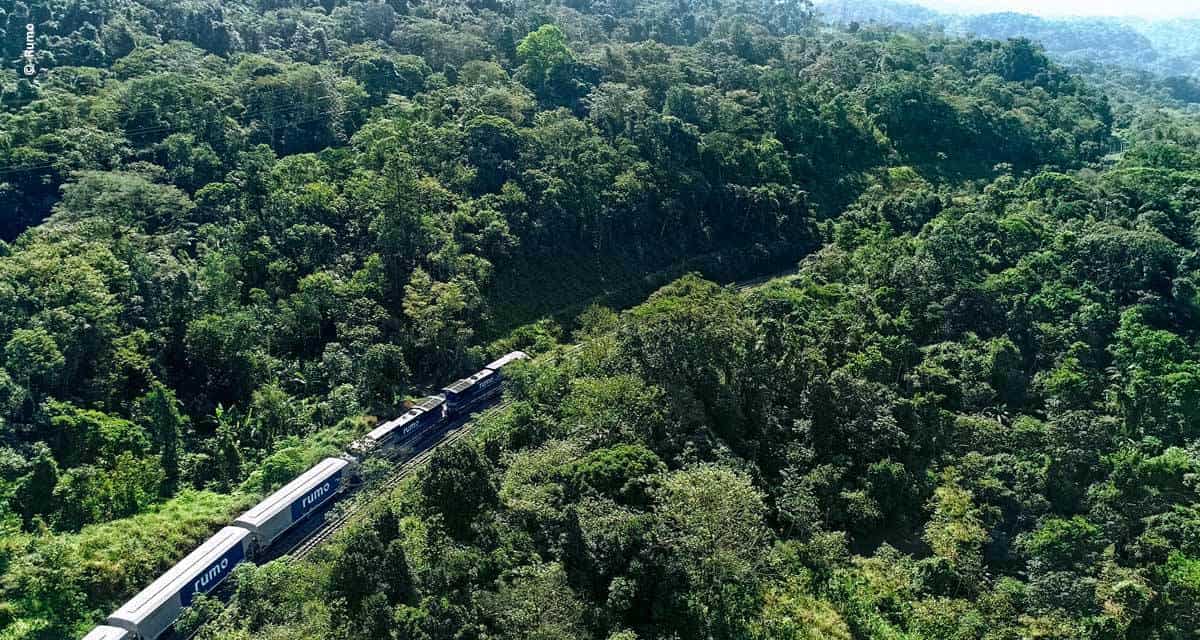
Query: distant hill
1096	39
1170	48
1177	40
883	12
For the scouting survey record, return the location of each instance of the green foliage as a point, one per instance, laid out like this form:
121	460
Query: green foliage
55	583
712	522
545	57
1062	543
619	472
457	486
536	602
791	613
238	233
955	532
158	412
34	356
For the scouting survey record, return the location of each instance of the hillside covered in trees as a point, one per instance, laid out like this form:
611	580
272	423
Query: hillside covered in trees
1167	47
238	233
972	415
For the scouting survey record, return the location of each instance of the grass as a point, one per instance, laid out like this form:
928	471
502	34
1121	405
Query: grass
123	556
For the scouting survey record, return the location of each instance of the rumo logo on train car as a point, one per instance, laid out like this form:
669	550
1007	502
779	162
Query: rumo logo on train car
314	498
416	423
213	575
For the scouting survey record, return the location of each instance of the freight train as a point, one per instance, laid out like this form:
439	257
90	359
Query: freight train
153	611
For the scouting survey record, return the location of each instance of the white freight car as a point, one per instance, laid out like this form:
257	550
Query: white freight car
105	632
294	502
155	608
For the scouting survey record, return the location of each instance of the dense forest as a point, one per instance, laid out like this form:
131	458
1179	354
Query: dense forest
236	234
970	416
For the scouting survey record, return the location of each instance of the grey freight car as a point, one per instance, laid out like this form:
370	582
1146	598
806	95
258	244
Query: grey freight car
105	632
155	609
297	499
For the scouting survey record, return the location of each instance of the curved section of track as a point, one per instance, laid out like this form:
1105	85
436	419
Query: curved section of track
361	501
364	497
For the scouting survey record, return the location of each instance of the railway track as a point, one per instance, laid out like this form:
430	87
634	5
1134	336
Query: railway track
361	504
363	498
747	285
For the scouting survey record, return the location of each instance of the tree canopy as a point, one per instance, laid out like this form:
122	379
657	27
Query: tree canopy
238	234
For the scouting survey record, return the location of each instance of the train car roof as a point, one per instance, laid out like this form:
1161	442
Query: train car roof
430	403
481	374
380	432
105	632
465	383
148	600
290	492
506	359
